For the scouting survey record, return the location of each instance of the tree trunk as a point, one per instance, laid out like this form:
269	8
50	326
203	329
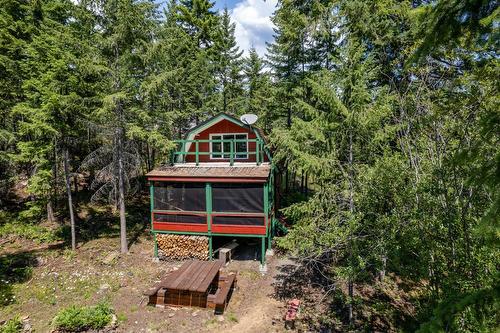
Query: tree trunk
121	193
381	273
307	184
50	211
70	199
350	284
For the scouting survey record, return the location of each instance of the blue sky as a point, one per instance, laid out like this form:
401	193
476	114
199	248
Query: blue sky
253	22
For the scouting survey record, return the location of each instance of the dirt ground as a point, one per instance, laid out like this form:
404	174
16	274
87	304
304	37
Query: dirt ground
57	278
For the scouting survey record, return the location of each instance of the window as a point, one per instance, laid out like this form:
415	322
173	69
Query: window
179	196
223	149
245	198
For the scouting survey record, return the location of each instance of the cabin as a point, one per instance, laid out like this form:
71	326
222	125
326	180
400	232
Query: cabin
220	184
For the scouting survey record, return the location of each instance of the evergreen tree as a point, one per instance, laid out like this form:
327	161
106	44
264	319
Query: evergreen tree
228	65
126	28
258	89
198	20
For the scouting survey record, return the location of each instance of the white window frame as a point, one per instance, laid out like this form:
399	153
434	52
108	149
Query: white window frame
227	152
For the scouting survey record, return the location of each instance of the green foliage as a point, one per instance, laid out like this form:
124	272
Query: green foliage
403	154
78	318
30	231
14	325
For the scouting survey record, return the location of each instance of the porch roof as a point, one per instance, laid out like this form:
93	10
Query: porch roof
212	170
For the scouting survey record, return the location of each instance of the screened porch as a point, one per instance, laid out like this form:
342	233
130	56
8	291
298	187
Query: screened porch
224	208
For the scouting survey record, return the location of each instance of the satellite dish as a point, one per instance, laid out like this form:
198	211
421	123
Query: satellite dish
249	119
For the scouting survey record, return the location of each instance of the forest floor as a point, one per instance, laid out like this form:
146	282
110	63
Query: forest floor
59	278
40	277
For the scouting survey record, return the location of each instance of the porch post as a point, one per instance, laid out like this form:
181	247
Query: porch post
156	246
151	207
208	203
263	251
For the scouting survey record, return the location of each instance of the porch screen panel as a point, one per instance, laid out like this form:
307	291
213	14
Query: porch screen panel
245	198
179	197
238	220
177	218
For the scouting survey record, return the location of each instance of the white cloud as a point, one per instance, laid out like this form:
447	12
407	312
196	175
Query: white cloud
253	24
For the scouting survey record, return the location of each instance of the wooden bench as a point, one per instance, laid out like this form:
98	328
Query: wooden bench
223	294
226	251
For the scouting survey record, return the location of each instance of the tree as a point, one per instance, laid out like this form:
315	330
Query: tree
126	29
259	89
228	65
53	108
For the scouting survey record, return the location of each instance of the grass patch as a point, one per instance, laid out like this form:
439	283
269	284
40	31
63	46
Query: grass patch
232	317
211	323
250	274
30	231
12	326
76	318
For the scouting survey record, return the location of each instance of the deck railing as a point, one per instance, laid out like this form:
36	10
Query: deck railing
232	155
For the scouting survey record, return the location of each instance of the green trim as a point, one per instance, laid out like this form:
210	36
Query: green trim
263	251
178	211
218	118
151	202
239	235
156	246
180	232
266	205
197	152
151	206
210	251
208	204
269	237
206	234
231	154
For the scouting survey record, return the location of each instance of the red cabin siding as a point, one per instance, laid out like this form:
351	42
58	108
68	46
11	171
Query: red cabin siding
222	127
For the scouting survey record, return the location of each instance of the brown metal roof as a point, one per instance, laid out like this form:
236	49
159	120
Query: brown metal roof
178	171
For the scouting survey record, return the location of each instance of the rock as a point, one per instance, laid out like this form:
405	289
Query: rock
104	288
220	318
171	314
27	328
194	314
114	320
110	257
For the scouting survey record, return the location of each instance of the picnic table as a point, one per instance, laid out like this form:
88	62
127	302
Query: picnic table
195	283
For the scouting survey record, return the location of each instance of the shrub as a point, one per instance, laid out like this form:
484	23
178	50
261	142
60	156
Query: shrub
76	318
12	326
34	232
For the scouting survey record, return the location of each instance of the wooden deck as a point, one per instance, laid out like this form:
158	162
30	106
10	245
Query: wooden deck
195	283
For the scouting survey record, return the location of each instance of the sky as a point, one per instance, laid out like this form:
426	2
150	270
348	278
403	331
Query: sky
253	22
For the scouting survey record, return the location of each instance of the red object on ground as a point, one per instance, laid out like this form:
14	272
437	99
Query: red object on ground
292	311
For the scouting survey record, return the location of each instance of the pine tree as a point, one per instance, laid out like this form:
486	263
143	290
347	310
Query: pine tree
127	28
258	89
16	28
54	110
199	20
228	65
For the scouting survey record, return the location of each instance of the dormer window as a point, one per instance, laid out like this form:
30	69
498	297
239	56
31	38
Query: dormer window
222	150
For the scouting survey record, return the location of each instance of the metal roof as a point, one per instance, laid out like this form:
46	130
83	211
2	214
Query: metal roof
211	171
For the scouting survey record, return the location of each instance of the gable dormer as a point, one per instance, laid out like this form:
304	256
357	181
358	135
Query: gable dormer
223	138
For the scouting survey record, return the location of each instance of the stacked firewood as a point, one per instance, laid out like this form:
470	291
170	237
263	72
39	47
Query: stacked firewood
178	247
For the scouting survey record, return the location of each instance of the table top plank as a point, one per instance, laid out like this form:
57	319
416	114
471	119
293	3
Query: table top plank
174	283
201	271
203	286
201	276
193	272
